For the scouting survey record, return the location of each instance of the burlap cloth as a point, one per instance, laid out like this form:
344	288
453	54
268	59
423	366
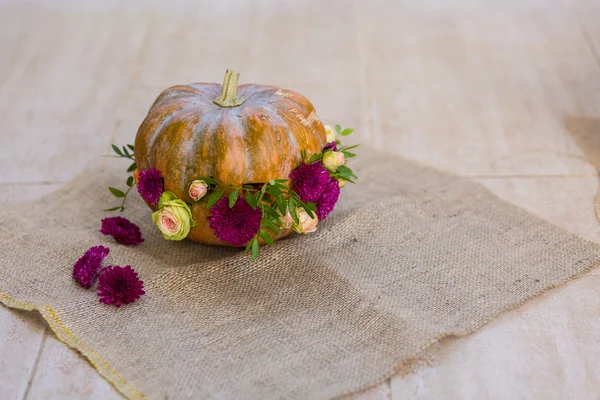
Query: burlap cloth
586	132
409	256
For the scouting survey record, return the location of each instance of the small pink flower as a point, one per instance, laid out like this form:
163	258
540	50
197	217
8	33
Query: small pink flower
122	230
305	224
150	185
328	199
119	285
286	220
198	189
86	268
235	225
309	181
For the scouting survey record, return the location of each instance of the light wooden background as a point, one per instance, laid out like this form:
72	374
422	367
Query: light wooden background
479	88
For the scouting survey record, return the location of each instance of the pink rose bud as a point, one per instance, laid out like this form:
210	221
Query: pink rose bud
333	159
286	220
168	222
305	224
198	189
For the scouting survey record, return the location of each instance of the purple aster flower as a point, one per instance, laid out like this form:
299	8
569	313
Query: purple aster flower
150	185
119	285
86	268
122	230
236	225
330	146
309	181
327	201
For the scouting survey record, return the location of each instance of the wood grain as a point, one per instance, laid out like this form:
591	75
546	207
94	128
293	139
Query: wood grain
476	88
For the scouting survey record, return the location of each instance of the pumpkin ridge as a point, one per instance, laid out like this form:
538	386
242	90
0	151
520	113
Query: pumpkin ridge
174	117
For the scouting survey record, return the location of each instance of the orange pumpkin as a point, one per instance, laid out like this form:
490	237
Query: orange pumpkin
236	134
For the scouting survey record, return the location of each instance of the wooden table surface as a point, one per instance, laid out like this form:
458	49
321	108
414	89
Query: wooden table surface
479	88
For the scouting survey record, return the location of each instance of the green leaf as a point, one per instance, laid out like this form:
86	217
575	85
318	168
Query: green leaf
126	152
268	239
348	147
112	208
345	172
116	192
271	212
251	199
254	249
233	196
309	212
270	226
264	188
347	154
346	132
281	180
310	206
274	191
281	204
315	157
214	198
209	180
248	246
132	167
294	215
338	128
131	147
117	150
130	181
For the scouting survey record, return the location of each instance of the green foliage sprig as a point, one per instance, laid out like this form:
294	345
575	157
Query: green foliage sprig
130	182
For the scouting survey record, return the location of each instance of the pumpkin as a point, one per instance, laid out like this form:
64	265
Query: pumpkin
238	135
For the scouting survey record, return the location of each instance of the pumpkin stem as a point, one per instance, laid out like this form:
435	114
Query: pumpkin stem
229	97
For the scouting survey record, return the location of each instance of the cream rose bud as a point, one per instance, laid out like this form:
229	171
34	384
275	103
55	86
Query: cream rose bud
333	159
342	182
305	224
198	189
286	220
174	217
330	134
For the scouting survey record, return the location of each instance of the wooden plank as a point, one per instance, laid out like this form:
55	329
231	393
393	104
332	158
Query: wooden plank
21	335
63	374
478	88
61	91
587	15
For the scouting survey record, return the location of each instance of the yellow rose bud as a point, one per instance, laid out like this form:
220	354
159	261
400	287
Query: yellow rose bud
342	182
330	134
305	224
333	159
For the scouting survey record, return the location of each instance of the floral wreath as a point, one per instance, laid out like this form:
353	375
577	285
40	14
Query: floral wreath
249	213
